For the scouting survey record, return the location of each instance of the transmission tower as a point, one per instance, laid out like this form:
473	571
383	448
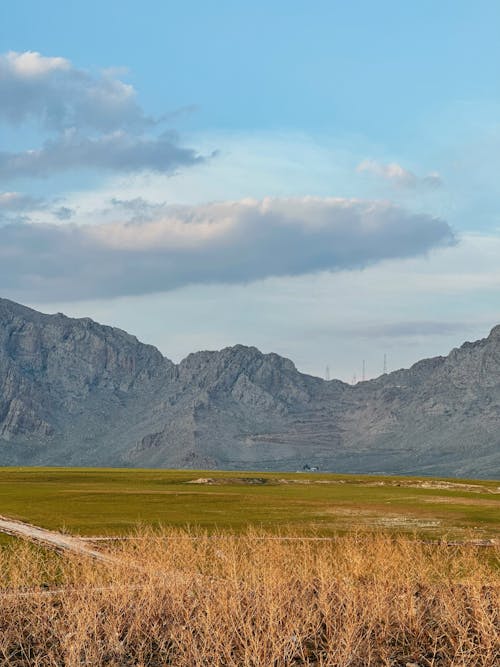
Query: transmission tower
327	373
385	364
363	375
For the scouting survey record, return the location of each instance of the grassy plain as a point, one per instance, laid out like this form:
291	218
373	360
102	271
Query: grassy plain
115	501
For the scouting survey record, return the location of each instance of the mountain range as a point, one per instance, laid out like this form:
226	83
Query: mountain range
75	392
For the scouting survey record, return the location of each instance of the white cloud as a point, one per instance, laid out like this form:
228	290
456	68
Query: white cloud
228	242
118	151
60	96
16	207
32	64
93	120
17	201
392	172
398	175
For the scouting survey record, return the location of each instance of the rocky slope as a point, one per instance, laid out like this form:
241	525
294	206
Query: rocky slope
74	392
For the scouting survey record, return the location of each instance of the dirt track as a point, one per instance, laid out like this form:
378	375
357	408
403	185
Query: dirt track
79	545
51	538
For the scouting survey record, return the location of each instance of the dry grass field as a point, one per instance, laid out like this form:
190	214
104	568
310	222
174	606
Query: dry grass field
220	569
191	598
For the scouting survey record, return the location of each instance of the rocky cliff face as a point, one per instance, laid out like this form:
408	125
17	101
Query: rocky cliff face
74	392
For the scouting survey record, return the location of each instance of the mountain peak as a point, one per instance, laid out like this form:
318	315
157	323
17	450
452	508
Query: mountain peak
495	333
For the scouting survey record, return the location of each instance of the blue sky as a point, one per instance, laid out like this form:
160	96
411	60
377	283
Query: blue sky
380	69
319	179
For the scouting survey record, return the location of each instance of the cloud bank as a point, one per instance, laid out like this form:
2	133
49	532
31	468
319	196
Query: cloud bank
92	121
228	242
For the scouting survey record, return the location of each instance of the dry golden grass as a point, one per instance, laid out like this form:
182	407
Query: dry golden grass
191	599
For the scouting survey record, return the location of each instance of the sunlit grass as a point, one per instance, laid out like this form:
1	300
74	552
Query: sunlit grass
193	598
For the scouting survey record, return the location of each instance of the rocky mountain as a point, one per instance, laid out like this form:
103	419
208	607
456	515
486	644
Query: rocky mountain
74	392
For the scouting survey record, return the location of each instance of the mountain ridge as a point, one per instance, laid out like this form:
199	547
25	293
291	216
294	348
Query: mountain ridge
75	392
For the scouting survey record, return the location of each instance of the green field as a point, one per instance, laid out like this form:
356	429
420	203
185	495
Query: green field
115	501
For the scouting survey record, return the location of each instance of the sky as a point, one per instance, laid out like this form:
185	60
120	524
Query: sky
318	179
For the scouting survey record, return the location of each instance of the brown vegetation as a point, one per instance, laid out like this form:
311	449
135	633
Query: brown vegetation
191	599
